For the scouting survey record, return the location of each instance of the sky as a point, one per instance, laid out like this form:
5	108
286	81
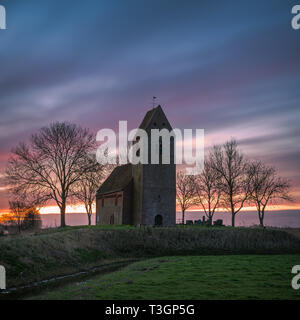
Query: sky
229	67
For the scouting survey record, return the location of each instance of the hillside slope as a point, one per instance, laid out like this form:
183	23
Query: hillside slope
39	256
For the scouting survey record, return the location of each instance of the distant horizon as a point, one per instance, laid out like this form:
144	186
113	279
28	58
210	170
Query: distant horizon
280	218
190	211
179	211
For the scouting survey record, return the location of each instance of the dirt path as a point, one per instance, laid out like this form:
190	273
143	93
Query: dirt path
17	293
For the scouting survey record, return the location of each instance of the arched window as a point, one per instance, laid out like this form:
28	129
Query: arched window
158	221
112	219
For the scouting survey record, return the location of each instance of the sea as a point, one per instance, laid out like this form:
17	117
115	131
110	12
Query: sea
280	218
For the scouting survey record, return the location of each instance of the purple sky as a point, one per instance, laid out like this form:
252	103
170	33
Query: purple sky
230	67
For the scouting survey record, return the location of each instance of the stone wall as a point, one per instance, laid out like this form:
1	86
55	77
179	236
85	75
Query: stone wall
109	209
158	181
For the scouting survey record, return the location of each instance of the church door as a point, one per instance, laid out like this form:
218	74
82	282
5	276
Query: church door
112	219
158	220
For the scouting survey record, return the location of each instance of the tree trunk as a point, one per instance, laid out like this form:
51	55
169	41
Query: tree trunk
63	215
89	211
261	218
183	216
261	222
210	217
233	219
232	211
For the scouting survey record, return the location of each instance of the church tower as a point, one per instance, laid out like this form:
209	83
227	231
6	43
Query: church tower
141	194
154	194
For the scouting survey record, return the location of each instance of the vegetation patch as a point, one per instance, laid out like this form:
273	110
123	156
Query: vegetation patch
248	277
34	257
90	255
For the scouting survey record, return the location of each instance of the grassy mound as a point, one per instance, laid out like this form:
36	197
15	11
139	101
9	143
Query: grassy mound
39	256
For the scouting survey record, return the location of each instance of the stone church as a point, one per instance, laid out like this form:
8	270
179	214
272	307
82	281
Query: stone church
141	194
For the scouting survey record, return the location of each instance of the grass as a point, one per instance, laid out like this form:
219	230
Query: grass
38	256
97	227
190	277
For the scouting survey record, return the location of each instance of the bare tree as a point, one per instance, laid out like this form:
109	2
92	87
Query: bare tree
231	165
86	188
266	187
48	168
32	219
17	214
208	191
185	191
21	217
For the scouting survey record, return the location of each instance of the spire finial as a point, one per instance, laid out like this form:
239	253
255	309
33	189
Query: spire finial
153	101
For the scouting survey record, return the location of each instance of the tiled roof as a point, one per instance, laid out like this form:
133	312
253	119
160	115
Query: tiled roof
148	117
117	180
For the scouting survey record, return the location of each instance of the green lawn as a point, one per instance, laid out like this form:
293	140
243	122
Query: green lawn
191	277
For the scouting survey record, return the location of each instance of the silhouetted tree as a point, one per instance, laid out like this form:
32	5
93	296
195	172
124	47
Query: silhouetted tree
207	189
185	191
87	186
17	214
231	165
266	187
32	219
21	217
48	168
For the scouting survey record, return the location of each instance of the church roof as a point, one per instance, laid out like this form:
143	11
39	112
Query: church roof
117	180
121	176
148	118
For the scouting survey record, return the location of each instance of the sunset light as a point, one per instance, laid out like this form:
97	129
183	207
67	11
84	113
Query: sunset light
149	158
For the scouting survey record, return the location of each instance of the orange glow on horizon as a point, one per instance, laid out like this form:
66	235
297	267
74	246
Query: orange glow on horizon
273	207
79	208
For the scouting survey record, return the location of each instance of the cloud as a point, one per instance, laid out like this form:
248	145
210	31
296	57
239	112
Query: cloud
231	68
